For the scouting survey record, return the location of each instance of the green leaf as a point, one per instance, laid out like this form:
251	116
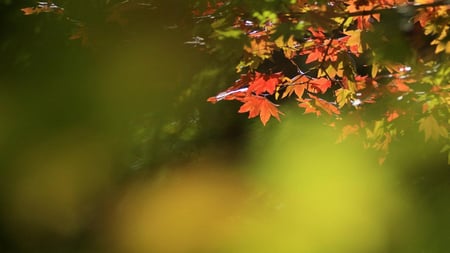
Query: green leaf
431	128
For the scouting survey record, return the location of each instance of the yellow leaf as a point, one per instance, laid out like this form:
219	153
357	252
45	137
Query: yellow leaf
340	69
331	71
289	90
279	42
277	93
440	47
374	70
355	39
342	96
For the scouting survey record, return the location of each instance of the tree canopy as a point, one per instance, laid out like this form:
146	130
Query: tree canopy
377	69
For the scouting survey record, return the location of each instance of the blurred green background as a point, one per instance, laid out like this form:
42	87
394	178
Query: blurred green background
110	146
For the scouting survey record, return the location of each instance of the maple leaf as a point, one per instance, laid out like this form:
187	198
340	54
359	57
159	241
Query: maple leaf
309	108
265	83
257	105
321	84
325	105
260	47
295	85
431	128
343	96
354	41
289	46
314	55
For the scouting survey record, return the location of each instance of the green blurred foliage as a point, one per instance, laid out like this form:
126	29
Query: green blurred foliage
79	119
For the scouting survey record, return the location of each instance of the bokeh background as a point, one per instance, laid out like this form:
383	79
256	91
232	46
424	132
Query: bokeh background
107	144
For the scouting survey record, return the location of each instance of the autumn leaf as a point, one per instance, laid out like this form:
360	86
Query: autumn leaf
259	47
314	55
317	32
298	89
309	108
332	70
325	105
398	85
321	84
289	46
264	83
257	105
391	115
354	41
343	96
28	11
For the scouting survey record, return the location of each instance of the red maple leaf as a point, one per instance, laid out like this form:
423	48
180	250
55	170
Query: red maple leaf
321	84
257	105
264	83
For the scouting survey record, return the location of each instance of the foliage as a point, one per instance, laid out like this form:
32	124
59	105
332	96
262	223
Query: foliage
377	69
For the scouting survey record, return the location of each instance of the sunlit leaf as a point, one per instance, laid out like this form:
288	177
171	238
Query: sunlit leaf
264	83
343	96
256	105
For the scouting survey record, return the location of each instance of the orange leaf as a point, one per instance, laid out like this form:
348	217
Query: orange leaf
309	108
398	85
325	105
256	105
313	56
392	115
299	90
28	10
264	83
318	33
322	84
212	100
